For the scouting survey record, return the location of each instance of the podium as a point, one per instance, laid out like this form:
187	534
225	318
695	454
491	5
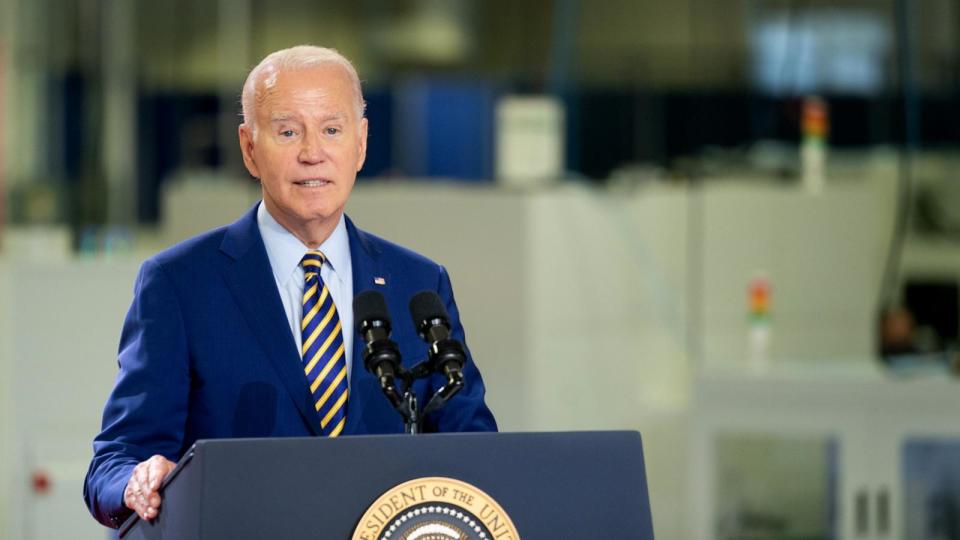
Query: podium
546	485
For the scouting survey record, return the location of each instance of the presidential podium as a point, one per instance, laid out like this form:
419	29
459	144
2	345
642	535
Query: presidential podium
499	486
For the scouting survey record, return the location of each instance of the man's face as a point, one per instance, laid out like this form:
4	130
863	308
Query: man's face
308	146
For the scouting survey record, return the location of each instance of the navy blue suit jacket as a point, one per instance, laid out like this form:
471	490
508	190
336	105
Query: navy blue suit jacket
206	352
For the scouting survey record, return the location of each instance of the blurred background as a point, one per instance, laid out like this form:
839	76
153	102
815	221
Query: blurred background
733	225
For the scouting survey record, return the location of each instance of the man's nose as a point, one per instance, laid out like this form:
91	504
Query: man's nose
312	149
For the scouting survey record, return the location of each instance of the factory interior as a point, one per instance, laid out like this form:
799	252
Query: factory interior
730	225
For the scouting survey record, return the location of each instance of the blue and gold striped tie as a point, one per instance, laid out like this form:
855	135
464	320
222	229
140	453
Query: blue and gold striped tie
322	351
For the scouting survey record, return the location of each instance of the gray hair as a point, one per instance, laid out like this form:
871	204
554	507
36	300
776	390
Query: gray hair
299	57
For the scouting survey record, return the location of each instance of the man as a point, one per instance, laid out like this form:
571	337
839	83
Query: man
247	330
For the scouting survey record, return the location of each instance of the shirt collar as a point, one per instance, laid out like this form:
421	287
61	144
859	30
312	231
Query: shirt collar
286	250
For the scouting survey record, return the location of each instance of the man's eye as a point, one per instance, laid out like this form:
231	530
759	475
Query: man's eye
287	133
332	130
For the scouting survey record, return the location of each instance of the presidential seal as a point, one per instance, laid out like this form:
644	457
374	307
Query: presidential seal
435	508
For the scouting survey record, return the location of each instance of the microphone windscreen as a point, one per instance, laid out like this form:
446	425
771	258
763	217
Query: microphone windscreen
367	306
426	305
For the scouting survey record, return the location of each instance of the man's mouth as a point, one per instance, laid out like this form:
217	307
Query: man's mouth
312	182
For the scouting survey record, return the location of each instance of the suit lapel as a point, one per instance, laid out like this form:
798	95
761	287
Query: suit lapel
250	280
368	273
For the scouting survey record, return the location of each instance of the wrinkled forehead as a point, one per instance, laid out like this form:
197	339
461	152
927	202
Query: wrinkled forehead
327	84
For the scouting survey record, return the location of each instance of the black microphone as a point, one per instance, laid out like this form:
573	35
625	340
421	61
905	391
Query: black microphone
381	356
447	355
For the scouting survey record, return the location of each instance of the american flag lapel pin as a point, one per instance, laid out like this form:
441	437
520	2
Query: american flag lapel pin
379	281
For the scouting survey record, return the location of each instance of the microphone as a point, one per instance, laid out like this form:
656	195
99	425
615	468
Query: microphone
381	356
447	355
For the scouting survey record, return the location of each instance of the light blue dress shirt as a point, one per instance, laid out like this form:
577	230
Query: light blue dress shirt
285	252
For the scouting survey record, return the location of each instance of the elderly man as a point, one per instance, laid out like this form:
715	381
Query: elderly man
247	330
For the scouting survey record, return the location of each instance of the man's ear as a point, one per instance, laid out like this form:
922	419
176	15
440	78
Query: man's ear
362	151
245	132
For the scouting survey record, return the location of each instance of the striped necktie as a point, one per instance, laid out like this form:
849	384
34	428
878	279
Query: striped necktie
323	360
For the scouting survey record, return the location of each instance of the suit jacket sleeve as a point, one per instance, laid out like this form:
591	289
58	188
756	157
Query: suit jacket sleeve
466	411
146	411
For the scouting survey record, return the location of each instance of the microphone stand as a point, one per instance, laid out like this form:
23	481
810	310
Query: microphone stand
407	404
381	356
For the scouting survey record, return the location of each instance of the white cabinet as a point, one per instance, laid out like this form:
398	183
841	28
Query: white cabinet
837	431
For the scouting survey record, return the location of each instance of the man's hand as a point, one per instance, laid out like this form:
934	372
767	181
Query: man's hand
141	494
